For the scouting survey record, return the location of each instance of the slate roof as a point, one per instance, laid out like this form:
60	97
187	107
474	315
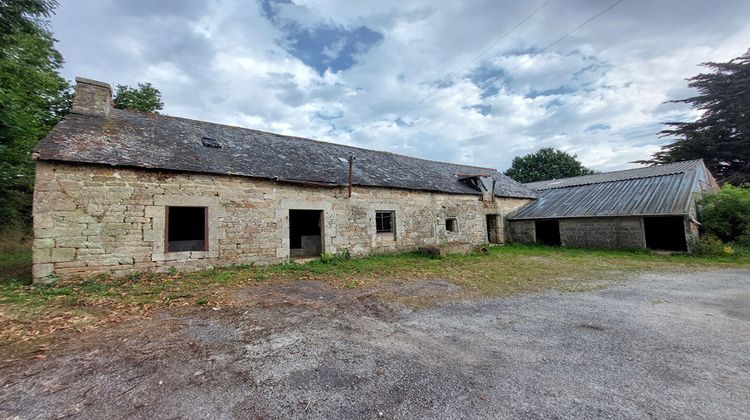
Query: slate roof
134	139
656	190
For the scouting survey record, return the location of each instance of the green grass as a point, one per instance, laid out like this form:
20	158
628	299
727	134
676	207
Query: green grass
501	271
15	258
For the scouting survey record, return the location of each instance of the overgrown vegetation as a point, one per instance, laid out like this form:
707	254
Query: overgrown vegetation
33	97
34	312
726	214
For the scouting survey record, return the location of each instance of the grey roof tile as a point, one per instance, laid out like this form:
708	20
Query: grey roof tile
134	139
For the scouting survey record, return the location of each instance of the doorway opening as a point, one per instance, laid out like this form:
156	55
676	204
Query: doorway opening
493	229
305	233
665	233
547	232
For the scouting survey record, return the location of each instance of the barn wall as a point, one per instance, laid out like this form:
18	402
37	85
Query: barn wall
603	232
589	232
521	231
92	219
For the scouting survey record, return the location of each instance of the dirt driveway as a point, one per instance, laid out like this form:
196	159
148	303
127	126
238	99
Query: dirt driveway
659	345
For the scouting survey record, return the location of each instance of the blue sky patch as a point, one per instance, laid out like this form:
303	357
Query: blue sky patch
483	109
330	47
597	127
561	90
489	79
322	47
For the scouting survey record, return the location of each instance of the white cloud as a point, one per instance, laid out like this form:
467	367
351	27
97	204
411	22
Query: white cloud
225	61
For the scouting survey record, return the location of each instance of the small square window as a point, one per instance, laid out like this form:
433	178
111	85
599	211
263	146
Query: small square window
451	224
187	229
384	221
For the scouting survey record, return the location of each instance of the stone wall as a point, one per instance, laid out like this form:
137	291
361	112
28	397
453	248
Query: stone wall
587	232
603	232
521	231
91	219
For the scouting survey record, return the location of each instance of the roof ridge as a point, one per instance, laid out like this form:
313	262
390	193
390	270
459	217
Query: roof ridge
146	114
581	179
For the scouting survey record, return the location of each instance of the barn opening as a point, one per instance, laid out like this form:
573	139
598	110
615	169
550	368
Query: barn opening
305	233
493	232
187	229
547	232
665	233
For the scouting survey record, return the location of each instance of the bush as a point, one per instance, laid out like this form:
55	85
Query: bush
709	246
329	258
726	214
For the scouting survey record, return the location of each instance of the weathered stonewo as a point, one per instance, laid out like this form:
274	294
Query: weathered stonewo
91	219
587	232
521	231
603	232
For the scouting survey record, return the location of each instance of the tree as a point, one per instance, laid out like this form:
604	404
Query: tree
726	214
547	163
721	136
33	98
144	98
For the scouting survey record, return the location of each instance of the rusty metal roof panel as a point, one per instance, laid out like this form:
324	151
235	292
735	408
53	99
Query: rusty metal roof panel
668	193
134	139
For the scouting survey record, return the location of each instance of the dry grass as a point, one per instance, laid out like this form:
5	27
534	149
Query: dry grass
33	314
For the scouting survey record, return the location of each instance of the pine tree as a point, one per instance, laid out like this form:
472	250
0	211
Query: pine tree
721	136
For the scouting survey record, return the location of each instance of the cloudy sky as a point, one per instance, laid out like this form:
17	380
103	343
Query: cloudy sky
444	80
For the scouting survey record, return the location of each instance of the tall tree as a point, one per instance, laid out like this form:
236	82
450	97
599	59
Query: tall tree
721	136
547	163
33	97
144	98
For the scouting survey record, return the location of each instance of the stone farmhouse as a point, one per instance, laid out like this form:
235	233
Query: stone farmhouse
123	192
652	207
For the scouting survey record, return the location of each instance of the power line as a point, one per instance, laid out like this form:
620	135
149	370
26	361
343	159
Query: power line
492	79
452	74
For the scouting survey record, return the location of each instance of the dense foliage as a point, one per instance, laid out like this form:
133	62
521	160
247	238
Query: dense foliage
144	98
33	97
721	136
726	214
547	163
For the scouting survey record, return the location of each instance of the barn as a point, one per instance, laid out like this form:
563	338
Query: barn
122	192
645	208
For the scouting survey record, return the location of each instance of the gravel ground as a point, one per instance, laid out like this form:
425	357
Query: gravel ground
658	345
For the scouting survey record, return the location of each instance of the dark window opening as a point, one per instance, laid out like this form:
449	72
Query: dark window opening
547	232
187	229
493	229
212	143
305	233
384	221
451	224
665	233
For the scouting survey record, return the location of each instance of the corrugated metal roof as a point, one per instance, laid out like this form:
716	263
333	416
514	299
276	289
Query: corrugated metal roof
656	170
669	193
133	139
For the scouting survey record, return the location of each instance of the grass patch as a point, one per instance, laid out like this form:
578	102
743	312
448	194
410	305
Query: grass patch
26	309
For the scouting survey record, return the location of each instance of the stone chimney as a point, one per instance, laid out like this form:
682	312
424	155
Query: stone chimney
92	98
